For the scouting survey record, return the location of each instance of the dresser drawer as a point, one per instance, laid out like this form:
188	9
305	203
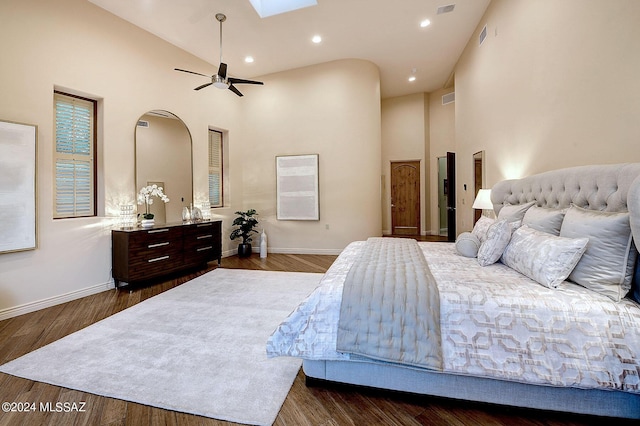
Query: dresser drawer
153	266
152	237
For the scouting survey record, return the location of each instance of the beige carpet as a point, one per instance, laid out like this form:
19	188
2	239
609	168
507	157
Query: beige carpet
198	348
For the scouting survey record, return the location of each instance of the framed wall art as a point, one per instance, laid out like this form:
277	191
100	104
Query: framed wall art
17	186
297	187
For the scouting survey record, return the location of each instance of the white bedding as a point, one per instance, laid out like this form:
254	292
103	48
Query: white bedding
494	323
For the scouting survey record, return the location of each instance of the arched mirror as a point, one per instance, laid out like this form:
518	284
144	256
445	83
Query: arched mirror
163	157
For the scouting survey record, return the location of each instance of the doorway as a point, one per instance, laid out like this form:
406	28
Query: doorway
405	197
478	180
443	193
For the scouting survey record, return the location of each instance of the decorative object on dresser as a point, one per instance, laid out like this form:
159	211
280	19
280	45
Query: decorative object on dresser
246	222
145	196
139	255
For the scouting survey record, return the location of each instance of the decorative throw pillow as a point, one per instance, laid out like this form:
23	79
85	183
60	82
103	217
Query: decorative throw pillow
481	227
498	236
607	265
467	244
545	220
513	213
543	257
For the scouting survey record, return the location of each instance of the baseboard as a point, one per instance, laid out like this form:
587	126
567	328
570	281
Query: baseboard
254	249
52	301
304	251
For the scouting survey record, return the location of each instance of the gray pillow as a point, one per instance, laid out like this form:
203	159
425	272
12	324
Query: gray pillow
467	244
498	237
607	265
543	257
513	213
481	227
545	220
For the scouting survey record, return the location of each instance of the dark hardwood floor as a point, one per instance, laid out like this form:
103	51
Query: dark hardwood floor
327	405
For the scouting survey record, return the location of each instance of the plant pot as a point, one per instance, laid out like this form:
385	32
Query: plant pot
244	250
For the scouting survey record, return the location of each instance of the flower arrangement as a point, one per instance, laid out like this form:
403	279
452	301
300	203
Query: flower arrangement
145	196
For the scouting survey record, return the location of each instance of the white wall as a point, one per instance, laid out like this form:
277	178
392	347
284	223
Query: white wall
330	109
555	84
131	72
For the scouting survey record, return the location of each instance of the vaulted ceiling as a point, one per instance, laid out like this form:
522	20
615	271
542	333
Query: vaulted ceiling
386	33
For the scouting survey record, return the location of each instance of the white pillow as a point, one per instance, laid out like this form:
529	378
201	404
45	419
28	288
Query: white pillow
516	212
498	236
545	220
467	244
607	265
481	227
543	257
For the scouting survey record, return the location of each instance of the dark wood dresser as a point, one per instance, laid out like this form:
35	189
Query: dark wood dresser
141	254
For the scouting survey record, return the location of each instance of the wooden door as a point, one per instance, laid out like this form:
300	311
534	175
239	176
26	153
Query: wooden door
405	197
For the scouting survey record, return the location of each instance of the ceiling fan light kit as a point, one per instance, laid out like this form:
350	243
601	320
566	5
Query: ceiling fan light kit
220	79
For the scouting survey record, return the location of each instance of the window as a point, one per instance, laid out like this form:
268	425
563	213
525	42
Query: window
74	157
215	168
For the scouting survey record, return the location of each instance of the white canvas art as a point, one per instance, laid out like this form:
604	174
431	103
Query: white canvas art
297	187
17	187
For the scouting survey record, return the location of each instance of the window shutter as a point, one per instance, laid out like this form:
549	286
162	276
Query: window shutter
74	157
215	168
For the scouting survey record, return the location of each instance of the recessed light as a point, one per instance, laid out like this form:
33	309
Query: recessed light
412	78
316	39
248	59
425	23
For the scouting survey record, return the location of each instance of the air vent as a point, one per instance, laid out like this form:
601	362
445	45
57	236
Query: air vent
142	123
448	98
483	34
446	9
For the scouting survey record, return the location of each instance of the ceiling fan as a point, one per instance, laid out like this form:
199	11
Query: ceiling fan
220	80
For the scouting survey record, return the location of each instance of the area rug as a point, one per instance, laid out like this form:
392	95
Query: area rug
198	348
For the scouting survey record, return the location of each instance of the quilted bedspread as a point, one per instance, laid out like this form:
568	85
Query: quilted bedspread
375	319
494	323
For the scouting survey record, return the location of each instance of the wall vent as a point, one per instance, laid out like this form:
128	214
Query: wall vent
446	9
448	98
143	123
483	35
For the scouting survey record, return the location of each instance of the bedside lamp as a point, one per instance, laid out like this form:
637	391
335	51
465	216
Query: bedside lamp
483	201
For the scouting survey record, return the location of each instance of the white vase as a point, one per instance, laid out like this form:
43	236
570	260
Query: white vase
147	223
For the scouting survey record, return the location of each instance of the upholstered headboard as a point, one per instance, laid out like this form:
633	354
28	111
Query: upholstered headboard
612	187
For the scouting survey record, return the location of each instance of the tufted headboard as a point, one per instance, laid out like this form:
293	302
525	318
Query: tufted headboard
612	187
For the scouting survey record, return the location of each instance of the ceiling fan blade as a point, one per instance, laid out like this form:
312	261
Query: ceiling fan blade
222	71
192	72
241	81
203	86
234	90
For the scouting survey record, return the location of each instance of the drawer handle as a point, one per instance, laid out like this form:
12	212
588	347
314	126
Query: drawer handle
155	231
203	225
202	237
205	248
157	245
158	259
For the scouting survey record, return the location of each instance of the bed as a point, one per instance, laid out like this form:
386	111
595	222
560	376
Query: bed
542	316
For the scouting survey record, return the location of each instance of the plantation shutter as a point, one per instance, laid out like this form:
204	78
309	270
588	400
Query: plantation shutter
74	157
215	168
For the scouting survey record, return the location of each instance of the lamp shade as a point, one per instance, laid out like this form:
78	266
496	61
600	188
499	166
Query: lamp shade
483	200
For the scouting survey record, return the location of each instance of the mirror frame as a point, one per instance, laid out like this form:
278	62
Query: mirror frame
162	113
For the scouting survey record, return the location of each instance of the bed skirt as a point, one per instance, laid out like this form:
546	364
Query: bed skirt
387	376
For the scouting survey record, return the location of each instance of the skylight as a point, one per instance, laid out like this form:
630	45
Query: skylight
267	8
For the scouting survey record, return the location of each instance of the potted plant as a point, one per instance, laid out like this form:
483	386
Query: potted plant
245	223
145	196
